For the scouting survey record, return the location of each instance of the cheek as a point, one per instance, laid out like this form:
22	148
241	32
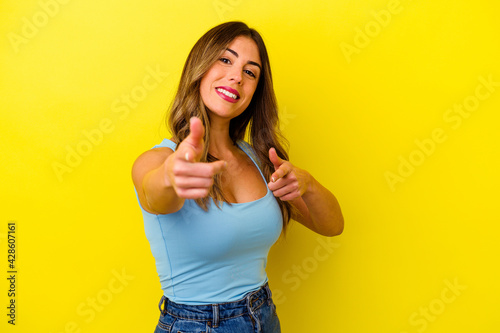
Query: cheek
251	91
204	88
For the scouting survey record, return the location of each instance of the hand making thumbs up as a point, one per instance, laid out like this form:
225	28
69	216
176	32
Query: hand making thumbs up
190	178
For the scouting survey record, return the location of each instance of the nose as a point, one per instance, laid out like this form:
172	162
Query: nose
235	75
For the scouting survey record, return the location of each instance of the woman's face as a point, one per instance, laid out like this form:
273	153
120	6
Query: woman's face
228	86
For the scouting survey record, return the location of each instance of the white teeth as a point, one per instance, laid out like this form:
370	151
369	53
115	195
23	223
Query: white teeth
227	93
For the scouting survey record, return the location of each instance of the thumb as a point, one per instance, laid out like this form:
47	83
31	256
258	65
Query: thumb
275	159
194	139
196	132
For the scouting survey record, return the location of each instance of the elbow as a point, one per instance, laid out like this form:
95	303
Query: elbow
339	230
336	228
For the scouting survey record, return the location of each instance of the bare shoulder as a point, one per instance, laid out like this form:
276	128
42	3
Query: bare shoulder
148	161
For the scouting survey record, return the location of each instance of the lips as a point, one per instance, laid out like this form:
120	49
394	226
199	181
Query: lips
227	93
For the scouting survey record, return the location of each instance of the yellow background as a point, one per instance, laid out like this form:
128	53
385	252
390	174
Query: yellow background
351	118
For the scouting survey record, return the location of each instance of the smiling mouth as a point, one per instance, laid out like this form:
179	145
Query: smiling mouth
228	93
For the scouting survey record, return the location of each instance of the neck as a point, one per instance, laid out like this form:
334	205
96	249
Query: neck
220	141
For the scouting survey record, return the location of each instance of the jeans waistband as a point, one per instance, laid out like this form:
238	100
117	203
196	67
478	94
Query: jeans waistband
216	312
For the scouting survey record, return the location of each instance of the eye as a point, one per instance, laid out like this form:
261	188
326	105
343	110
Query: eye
225	60
249	72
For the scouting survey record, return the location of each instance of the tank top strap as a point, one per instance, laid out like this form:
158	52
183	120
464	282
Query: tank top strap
247	148
167	143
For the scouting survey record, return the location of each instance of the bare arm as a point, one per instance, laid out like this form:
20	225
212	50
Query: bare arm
164	178
156	193
317	207
319	210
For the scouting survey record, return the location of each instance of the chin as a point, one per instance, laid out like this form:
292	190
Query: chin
222	115
225	114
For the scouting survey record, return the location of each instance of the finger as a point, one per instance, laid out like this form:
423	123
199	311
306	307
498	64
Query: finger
193	140
282	171
198	169
275	159
289	196
288	189
279	183
192	193
219	166
196	132
193	182
187	153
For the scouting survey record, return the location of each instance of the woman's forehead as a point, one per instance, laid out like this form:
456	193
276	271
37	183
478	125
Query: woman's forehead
246	48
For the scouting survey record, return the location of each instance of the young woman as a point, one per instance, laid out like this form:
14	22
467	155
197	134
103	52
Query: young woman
213	204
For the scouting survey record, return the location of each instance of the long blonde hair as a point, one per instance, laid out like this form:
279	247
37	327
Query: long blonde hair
261	115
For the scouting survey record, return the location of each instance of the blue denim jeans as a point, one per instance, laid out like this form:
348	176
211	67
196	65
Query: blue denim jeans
255	313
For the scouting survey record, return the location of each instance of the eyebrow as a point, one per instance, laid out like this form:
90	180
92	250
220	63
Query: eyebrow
248	62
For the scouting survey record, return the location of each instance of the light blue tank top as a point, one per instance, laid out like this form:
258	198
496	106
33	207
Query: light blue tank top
216	256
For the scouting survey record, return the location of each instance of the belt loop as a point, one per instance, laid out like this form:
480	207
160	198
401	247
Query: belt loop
163	300
269	293
254	318
215	315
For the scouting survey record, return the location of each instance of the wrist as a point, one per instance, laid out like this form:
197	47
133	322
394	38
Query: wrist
165	174
309	184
